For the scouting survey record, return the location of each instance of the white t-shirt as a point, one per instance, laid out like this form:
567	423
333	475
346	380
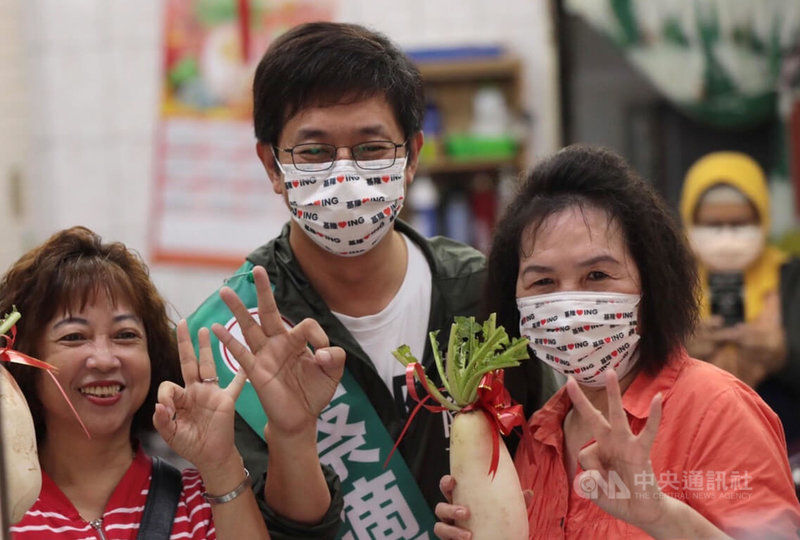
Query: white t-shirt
403	321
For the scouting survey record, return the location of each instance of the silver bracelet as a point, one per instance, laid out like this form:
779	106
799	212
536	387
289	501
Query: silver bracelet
228	497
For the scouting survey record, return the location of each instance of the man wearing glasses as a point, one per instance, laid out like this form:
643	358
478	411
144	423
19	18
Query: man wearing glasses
338	112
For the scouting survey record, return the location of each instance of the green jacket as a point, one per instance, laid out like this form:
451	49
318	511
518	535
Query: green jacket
458	273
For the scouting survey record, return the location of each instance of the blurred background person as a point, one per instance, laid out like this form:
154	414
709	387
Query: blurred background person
725	206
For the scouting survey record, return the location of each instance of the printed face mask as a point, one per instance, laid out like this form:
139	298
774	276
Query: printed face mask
346	210
582	334
727	249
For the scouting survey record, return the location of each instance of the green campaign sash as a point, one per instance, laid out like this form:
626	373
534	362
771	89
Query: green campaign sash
378	502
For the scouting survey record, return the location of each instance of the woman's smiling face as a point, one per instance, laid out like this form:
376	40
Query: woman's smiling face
100	351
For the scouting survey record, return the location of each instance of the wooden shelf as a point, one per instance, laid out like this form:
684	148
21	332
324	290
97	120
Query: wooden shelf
503	67
452	85
451	166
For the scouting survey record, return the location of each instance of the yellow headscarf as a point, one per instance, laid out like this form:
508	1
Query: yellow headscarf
743	173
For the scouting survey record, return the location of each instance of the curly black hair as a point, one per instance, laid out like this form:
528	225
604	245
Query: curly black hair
583	175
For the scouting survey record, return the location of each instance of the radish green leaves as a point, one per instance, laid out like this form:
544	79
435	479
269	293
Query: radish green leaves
472	351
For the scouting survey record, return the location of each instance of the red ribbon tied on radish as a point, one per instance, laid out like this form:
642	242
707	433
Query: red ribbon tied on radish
493	400
504	415
7	354
411	369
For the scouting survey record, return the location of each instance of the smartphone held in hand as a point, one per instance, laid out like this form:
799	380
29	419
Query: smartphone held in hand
726	291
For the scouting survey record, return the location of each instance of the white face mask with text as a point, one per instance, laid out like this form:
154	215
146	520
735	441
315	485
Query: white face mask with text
347	209
727	249
581	333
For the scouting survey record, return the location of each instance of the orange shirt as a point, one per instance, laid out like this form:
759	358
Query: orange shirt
719	448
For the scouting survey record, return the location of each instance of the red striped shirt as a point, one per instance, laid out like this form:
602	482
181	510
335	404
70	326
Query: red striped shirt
54	516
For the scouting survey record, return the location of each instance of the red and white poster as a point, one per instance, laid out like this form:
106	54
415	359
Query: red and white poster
213	202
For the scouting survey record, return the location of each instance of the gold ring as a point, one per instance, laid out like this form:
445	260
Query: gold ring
211	380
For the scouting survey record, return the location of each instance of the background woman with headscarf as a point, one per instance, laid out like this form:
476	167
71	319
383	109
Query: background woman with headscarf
726	210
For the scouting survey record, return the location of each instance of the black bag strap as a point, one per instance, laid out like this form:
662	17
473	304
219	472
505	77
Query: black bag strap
166	485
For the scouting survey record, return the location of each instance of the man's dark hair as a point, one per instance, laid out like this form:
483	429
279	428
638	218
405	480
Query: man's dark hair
584	176
325	63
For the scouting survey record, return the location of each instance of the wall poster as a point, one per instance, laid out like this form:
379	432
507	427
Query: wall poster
212	201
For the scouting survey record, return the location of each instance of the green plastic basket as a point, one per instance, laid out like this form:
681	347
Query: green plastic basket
471	147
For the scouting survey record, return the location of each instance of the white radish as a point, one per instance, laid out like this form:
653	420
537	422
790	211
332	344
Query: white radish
23	477
496	505
495	501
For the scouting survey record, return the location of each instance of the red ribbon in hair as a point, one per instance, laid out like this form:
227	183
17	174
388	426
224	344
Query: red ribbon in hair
493	400
7	354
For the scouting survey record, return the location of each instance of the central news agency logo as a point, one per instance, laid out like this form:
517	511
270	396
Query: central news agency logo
590	484
236	331
690	485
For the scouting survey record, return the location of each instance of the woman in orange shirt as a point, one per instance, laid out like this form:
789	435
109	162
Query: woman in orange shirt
643	440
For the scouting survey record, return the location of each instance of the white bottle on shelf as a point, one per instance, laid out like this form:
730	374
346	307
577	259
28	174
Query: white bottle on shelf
423	199
457	217
490	116
507	188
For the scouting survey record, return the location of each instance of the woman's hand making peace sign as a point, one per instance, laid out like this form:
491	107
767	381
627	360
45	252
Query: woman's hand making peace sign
616	450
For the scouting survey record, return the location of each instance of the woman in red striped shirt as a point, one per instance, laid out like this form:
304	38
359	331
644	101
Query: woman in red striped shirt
90	309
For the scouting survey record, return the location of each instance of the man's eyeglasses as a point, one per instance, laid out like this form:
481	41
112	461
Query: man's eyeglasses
318	157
